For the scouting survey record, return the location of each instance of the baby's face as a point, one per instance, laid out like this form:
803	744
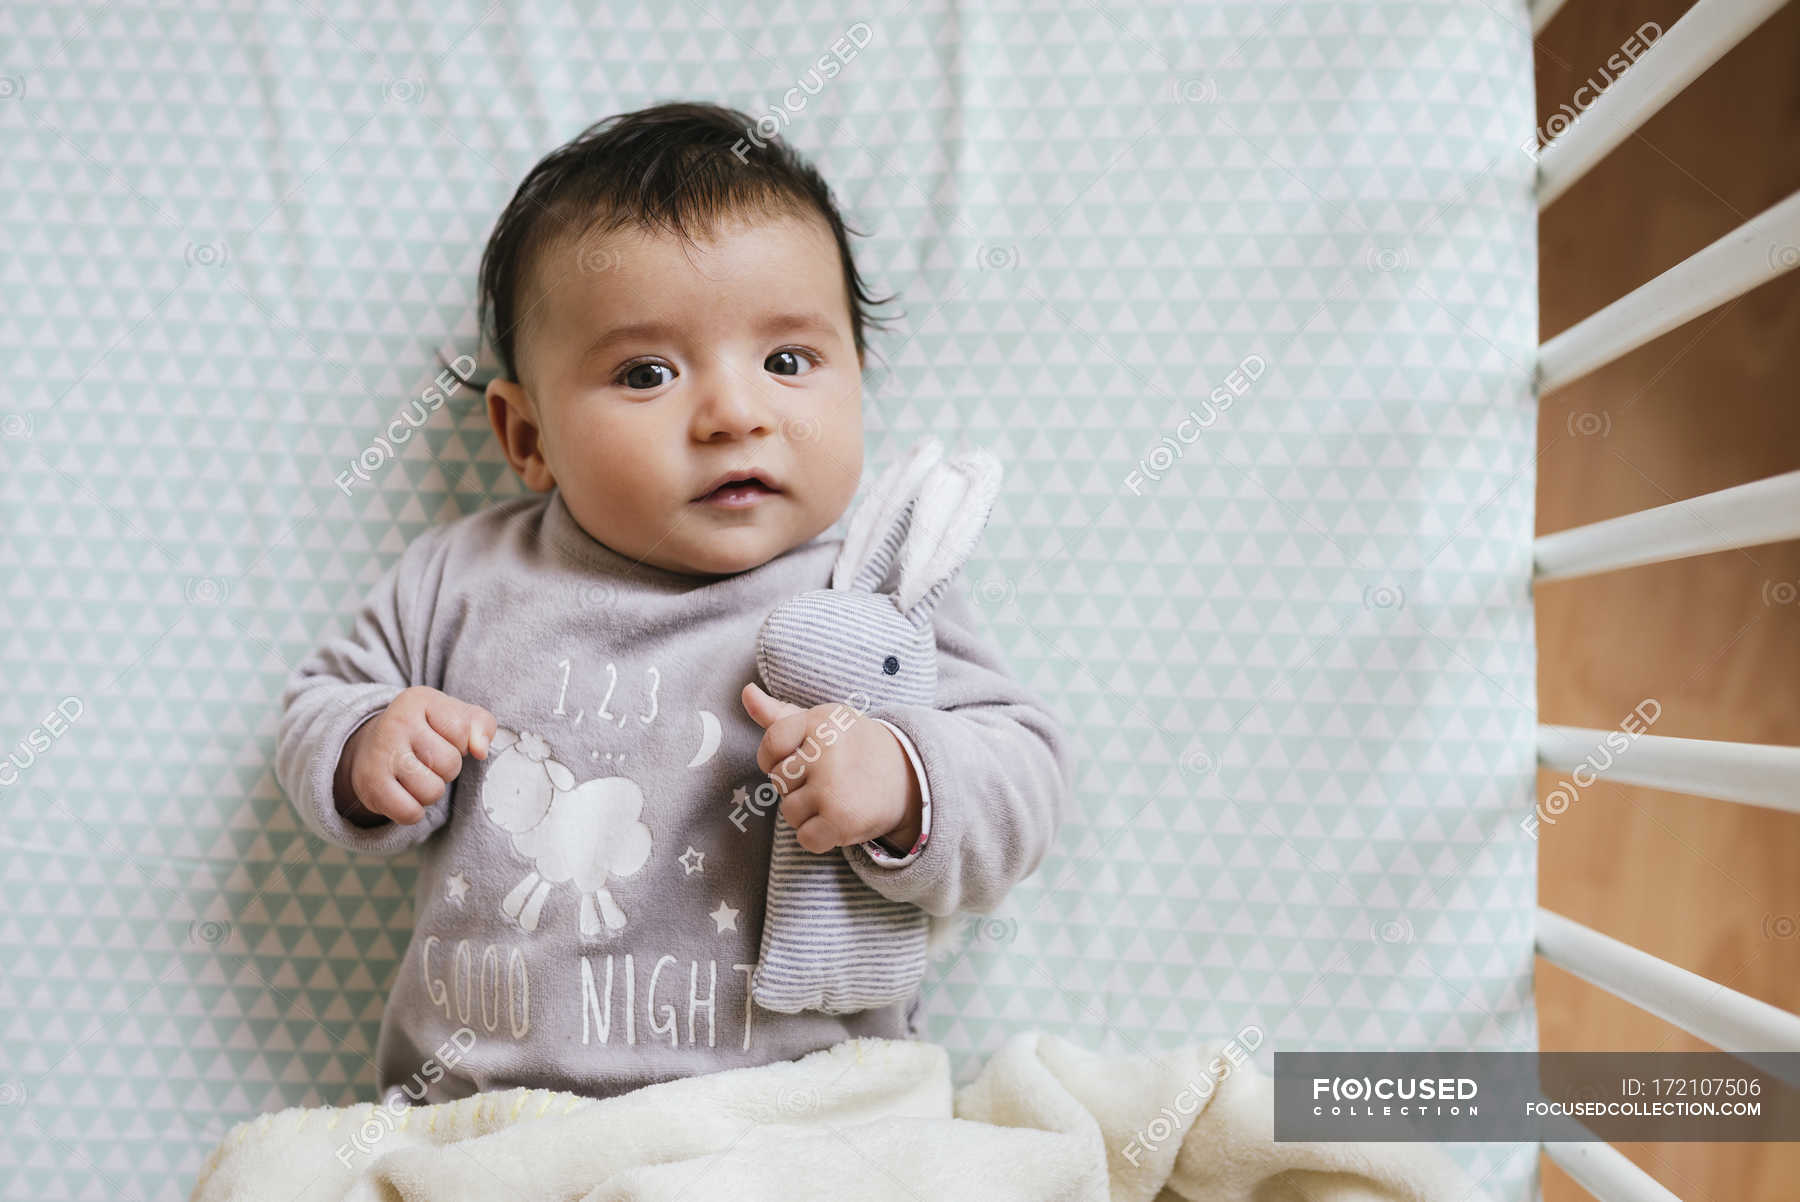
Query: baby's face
653	369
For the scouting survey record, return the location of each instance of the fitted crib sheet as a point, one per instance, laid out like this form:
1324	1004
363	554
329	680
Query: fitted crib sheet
1243	293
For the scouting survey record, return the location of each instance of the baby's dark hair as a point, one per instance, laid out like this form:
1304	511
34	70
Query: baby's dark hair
677	167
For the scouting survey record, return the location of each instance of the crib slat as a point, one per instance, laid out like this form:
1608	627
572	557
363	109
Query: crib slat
1730	1021
1674	60
1542	11
1757	251
1605	1172
1758	774
1764	511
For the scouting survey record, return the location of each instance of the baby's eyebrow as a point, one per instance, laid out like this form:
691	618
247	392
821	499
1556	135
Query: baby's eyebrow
779	323
768	326
640	329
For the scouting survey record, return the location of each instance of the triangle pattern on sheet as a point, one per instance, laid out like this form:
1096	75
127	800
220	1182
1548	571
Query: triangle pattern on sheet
1242	294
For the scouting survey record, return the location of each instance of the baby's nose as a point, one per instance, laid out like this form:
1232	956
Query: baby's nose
730	405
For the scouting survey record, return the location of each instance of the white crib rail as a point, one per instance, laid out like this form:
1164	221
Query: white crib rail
1759	774
1603	1171
1542	11
1762	511
1698	40
1728	1020
1757	251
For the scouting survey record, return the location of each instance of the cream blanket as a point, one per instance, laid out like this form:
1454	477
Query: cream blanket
868	1118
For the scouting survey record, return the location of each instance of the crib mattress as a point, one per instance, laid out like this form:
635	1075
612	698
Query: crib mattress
1243	293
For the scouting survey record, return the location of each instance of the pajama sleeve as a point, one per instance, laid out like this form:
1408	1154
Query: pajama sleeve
997	767
878	851
349	679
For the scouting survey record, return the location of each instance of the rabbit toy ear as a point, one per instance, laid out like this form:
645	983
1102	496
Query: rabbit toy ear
947	519
880	521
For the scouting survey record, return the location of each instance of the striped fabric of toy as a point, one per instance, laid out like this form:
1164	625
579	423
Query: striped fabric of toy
830	942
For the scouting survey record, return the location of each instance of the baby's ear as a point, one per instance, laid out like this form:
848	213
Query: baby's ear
514	419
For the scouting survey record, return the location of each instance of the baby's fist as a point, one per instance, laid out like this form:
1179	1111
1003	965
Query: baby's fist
404	758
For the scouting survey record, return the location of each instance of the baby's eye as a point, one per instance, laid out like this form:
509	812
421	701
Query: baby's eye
778	362
635	375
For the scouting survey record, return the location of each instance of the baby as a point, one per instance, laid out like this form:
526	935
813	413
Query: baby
563	684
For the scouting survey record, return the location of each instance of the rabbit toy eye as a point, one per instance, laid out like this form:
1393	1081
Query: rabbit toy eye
891	665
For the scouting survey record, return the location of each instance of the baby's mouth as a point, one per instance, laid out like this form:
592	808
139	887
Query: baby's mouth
738	494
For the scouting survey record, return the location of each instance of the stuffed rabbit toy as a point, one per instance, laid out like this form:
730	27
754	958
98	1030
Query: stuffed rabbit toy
829	941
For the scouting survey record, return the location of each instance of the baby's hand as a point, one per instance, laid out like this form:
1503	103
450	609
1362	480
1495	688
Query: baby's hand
404	758
855	783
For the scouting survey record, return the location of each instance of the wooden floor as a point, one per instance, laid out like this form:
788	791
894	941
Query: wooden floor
1708	885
